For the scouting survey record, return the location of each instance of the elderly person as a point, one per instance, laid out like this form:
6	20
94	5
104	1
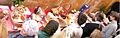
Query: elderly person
29	30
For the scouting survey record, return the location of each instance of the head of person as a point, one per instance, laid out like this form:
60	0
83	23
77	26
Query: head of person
99	17
96	34
51	27
1	15
36	10
81	19
114	16
92	15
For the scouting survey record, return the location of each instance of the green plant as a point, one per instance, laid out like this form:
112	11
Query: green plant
17	2
103	8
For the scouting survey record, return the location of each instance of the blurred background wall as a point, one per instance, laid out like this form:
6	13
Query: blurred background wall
72	4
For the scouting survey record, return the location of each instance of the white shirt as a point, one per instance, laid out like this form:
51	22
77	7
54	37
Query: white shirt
118	36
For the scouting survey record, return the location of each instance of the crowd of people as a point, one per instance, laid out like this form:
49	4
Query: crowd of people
59	23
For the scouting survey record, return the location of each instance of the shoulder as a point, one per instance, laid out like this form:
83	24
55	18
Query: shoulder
112	25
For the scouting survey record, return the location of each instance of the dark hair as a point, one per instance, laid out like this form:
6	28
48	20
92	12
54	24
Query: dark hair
51	27
114	7
99	16
91	16
81	19
118	22
1	15
115	14
36	9
21	0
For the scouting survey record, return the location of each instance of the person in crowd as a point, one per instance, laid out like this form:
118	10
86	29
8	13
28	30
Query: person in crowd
81	19
118	28
74	29
101	19
38	14
96	34
91	17
89	27
49	29
111	28
29	30
3	29
117	33
59	33
99	16
95	18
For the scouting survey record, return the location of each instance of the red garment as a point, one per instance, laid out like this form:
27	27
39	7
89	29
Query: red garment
41	28
31	10
42	22
46	11
10	8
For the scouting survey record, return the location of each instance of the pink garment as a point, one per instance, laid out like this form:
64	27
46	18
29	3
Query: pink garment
9	22
1	9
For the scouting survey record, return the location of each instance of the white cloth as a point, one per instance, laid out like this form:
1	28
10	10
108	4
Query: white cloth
36	17
27	11
118	36
51	15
